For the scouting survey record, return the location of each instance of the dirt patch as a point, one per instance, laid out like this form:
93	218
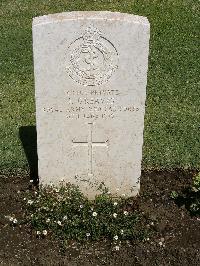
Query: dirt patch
175	238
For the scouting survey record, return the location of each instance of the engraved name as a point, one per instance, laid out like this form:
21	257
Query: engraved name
91	104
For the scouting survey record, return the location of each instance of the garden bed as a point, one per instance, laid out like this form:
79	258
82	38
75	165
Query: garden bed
174	234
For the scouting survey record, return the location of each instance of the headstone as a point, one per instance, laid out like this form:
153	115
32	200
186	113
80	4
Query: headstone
90	80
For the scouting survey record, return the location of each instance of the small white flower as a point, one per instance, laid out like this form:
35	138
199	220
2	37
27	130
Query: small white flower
38	232
24	198
115	203
44	232
15	221
117	248
87	234
56	190
47	220
65	218
35	192
30	202
115	237
125	213
59	223
108	192
11	219
114	215
81	206
160	243
31	181
94	214
121	231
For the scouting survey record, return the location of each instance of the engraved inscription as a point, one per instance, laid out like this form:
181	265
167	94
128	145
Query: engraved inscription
92	105
90	144
92	112
93	58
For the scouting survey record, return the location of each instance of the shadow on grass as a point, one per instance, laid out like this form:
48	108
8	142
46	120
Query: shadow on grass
28	137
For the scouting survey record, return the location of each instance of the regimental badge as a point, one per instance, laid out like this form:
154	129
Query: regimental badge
93	58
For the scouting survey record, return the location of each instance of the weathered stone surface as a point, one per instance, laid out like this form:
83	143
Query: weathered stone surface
90	79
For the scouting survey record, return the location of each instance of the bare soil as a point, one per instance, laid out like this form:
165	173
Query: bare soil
175	238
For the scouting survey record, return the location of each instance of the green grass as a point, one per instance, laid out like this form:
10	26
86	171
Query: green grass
172	121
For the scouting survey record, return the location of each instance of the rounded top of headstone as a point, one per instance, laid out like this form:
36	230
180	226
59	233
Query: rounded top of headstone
78	15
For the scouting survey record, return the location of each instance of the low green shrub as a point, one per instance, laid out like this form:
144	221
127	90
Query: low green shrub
195	204
67	214
190	197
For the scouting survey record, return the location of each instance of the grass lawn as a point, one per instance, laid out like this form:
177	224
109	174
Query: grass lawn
172	121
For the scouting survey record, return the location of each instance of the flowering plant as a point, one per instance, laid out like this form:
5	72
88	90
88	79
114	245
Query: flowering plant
67	214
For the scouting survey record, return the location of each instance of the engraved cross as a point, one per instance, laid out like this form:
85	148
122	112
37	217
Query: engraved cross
90	144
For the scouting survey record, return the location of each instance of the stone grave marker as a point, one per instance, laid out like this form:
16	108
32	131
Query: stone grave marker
90	81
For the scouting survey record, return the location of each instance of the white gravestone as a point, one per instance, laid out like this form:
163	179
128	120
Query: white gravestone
90	79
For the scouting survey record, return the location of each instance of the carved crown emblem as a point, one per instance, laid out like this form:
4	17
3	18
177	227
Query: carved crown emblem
92	58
